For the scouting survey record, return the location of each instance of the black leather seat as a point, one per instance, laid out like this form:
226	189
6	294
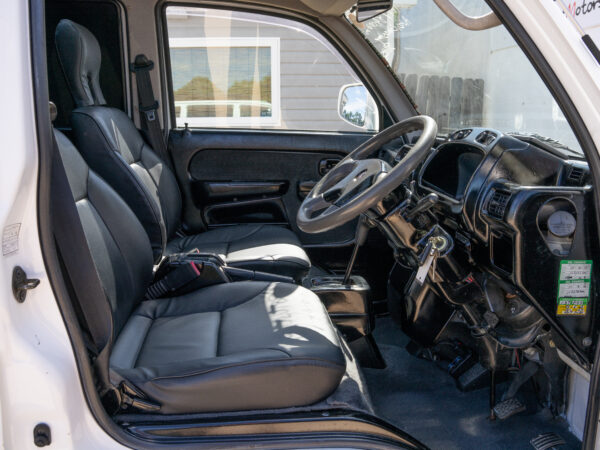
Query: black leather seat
233	346
114	148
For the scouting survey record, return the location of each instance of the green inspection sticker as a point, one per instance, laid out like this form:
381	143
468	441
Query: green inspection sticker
574	284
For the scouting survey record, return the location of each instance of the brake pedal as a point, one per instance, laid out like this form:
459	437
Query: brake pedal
547	440
508	408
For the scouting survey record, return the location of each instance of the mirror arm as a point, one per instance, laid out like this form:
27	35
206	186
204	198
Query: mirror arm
489	20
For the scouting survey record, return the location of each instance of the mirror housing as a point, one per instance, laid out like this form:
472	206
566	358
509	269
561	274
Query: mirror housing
367	9
357	107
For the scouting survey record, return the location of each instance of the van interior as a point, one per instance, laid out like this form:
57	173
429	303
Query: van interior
233	262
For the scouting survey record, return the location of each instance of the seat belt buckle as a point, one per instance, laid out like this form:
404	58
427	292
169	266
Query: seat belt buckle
183	273
150	111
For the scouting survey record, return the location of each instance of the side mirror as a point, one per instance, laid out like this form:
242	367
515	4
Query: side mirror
367	9
357	107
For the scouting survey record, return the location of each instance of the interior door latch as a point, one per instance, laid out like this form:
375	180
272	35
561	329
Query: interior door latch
21	284
325	165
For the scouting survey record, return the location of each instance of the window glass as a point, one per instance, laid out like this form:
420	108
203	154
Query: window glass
466	78
234	69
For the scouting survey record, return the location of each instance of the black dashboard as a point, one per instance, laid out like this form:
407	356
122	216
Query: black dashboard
516	209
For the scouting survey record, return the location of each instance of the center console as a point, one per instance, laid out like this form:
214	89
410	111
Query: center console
346	303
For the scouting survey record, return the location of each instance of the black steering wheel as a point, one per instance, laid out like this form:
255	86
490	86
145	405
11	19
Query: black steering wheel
358	183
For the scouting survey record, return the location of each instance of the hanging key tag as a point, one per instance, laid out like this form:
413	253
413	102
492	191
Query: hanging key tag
424	268
435	245
425	261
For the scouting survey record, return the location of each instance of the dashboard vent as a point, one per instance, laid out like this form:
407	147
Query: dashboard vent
576	175
497	203
461	134
486	137
403	151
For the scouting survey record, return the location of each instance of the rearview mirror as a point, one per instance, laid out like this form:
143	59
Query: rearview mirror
367	9
357	107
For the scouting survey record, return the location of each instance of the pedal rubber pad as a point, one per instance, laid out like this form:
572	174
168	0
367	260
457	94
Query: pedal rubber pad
547	440
507	408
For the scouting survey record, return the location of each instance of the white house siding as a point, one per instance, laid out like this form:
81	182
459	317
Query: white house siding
310	73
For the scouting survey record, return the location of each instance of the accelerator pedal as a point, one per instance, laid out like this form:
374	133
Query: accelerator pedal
507	408
546	441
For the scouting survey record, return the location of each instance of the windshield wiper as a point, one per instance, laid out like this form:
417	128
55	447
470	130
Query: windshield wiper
552	145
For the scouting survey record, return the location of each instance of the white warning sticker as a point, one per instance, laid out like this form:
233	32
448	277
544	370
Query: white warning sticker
575	271
10	238
574	289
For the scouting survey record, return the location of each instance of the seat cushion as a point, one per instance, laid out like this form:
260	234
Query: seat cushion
231	347
267	248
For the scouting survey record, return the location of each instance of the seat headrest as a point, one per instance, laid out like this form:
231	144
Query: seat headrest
80	58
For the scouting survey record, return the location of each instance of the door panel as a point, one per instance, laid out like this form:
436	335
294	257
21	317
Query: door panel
266	211
230	177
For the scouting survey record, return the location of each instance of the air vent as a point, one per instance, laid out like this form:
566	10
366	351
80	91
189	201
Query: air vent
496	206
486	137
576	175
403	151
461	134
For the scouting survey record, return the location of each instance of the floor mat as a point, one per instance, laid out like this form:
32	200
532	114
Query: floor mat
421	399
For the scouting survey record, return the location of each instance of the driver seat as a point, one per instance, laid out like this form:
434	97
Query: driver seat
115	150
228	347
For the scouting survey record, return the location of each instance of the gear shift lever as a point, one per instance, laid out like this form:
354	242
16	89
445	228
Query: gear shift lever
362	230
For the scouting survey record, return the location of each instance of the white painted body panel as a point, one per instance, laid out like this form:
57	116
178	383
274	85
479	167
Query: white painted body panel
39	381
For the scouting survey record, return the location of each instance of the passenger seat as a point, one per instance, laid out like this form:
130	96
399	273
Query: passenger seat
114	148
229	347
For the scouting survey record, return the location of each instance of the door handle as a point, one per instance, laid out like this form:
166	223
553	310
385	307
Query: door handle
325	165
304	187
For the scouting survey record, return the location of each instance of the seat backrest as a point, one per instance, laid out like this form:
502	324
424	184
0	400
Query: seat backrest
112	145
119	246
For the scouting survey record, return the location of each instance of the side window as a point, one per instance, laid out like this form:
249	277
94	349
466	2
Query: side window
239	70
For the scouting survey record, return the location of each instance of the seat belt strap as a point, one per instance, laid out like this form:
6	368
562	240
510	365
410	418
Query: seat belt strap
148	107
91	303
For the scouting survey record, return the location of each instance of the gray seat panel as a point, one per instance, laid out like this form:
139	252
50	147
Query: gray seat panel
228	347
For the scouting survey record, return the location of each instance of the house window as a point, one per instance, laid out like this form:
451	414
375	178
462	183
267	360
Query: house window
232	81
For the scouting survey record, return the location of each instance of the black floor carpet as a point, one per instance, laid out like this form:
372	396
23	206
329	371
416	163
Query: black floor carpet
421	399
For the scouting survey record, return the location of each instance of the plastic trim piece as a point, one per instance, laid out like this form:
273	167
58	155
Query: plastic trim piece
489	20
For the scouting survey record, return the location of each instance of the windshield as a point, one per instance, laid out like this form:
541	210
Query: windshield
465	78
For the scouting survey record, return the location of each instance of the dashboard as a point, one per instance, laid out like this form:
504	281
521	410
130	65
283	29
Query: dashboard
516	208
